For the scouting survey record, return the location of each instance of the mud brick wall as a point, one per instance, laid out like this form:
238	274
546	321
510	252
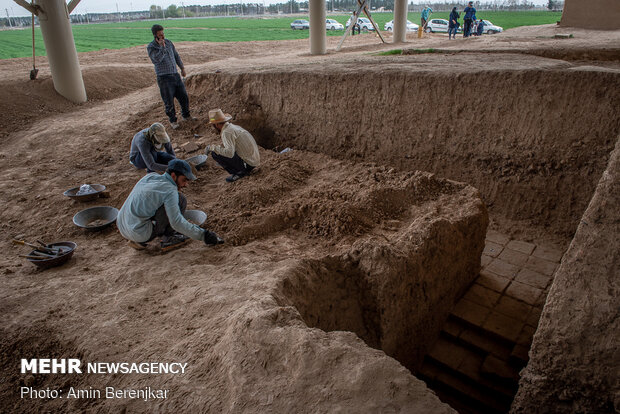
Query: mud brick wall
574	357
534	142
396	286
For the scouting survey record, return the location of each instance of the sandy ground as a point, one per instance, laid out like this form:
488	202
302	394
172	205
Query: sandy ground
214	308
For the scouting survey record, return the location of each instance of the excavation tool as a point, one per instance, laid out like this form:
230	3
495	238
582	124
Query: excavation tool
48	255
421	29
95	218
95	191
55	251
34	72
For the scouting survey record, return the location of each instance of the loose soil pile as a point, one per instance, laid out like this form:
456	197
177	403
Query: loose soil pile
344	212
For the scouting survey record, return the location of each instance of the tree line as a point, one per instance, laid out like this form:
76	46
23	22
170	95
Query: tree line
288	7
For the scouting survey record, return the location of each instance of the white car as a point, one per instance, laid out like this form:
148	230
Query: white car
363	23
411	27
490	28
331	24
300	24
439	26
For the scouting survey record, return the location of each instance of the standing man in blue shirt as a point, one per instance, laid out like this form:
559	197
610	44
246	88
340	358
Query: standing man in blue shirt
155	208
426	14
165	58
468	19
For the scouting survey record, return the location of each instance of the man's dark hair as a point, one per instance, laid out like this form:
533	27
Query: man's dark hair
170	171
156	28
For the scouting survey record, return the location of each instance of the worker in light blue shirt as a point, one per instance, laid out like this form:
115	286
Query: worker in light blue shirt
426	14
155	208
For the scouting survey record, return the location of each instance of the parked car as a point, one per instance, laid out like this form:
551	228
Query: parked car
439	26
363	23
411	27
300	25
331	24
490	28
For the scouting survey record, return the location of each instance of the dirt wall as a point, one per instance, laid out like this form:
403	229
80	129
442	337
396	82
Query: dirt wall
534	147
574	357
593	14
396	296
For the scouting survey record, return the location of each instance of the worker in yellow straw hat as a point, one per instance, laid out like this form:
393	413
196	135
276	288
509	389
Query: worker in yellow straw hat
238	153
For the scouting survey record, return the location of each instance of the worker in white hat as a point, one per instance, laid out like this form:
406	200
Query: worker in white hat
151	149
239	153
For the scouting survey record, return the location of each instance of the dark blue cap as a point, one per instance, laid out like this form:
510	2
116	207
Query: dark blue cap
181	167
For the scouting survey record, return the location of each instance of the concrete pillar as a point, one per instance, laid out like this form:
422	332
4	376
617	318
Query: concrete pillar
400	21
317	27
63	60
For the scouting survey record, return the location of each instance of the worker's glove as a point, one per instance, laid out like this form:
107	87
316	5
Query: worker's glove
211	238
208	150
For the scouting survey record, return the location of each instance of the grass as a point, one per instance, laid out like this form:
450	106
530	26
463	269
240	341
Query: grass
88	37
391	52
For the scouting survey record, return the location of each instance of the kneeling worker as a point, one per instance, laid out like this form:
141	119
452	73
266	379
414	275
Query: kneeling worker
151	149
155	208
239	155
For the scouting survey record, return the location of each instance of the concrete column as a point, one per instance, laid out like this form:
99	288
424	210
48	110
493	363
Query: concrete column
400	21
317	27
60	46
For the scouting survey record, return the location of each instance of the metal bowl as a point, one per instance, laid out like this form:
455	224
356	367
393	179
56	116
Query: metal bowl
72	193
95	218
67	248
198	161
196	217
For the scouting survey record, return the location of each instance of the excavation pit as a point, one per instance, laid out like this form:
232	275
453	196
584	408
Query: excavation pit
252	317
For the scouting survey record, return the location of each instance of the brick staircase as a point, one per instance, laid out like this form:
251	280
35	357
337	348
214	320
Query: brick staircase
474	365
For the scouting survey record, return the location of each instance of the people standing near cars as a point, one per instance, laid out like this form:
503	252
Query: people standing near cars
480	28
468	18
164	56
356	25
426	14
239	153
453	23
151	149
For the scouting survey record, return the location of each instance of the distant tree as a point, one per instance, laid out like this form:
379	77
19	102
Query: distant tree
156	12
172	11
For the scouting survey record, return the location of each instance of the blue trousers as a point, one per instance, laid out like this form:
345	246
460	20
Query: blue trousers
160	157
467	27
452	31
170	87
234	165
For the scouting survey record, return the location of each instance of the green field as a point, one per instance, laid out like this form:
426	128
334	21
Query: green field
88	37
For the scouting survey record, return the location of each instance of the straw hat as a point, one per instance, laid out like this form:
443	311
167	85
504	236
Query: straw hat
216	116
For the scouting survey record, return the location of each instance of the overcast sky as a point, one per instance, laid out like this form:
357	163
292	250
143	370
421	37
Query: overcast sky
109	6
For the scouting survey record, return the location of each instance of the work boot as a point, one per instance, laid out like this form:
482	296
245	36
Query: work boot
232	178
189	118
174	125
136	245
172	242
235	177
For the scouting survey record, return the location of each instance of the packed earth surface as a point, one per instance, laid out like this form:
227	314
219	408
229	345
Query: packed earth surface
342	257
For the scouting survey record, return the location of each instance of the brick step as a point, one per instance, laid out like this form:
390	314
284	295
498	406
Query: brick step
478	338
492	336
461	395
478	369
